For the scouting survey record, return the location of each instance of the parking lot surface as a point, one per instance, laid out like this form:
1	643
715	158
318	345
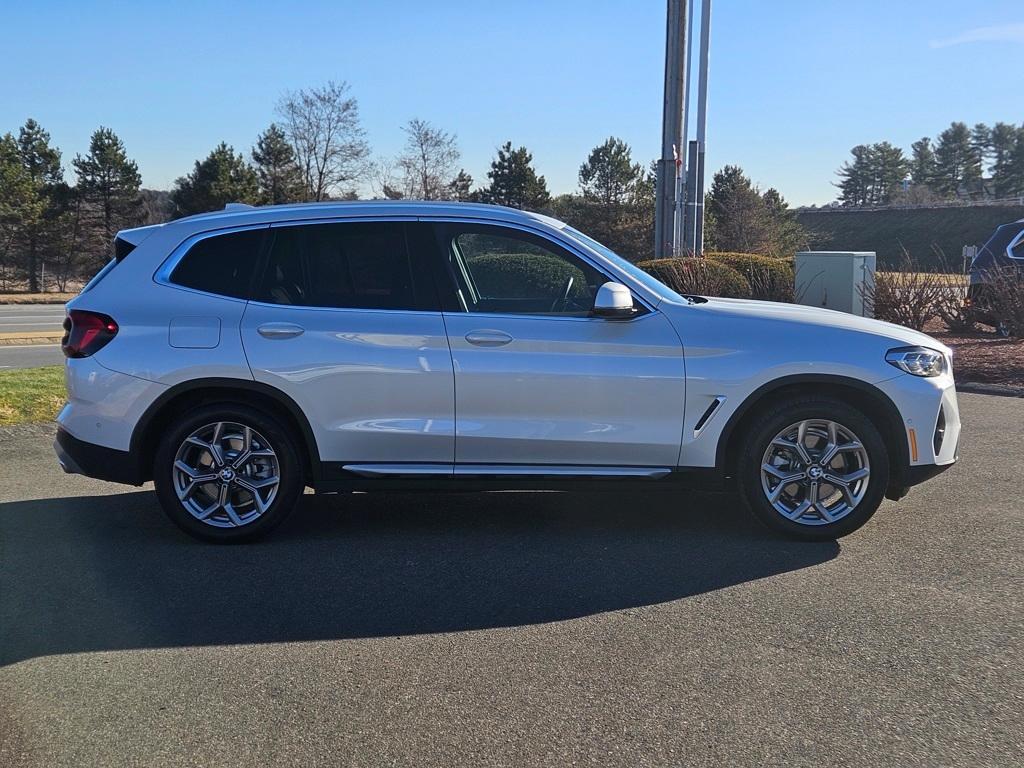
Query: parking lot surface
515	629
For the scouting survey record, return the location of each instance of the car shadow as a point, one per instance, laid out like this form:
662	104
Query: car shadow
100	573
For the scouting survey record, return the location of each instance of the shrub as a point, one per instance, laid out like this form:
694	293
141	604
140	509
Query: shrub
698	276
525	275
1005	298
769	278
907	297
952	308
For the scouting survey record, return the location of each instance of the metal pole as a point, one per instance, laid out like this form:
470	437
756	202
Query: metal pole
678	237
702	120
693	172
672	111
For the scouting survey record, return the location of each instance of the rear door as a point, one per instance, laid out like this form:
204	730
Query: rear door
345	320
539	381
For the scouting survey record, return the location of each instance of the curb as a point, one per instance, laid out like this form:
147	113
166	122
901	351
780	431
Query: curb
47	303
978	388
24	339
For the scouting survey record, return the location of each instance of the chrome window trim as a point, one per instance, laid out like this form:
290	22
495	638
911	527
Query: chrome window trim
1017	240
576	249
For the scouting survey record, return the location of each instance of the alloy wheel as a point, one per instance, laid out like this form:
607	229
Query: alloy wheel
815	472
226	474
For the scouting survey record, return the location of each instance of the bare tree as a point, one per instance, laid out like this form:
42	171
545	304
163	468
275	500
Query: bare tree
429	161
323	127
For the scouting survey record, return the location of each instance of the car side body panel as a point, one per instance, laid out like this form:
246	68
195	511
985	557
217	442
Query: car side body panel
567	390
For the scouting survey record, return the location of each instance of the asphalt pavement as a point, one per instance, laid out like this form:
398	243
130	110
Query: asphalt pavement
30	356
518	629
30	318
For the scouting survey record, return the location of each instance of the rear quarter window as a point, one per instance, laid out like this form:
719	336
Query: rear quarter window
221	264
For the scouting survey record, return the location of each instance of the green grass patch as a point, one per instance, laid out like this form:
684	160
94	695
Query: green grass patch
31	394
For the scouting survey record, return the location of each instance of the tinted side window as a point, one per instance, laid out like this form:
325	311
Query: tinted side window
507	271
345	265
221	264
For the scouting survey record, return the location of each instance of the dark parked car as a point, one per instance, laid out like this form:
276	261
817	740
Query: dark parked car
1004	251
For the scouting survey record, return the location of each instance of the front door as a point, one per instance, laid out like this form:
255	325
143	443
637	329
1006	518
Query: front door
344	320
538	380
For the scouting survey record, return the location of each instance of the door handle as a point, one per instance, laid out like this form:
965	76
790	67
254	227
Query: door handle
486	338
280	330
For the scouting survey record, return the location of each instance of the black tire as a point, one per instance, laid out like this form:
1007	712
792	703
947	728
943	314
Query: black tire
778	418
289	470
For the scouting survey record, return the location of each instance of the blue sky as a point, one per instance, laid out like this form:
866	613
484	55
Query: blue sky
793	86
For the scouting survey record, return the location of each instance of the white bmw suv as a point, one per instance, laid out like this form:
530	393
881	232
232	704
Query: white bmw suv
237	357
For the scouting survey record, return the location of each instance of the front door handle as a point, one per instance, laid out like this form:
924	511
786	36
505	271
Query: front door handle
280	330
488	338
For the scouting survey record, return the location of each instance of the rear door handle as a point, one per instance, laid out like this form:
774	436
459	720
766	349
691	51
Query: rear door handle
280	330
488	338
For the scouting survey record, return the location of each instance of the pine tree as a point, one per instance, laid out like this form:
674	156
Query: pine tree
460	187
223	177
854	177
39	235
1007	143
108	193
738	217
278	175
17	201
609	176
890	168
957	163
514	182
922	163
981	141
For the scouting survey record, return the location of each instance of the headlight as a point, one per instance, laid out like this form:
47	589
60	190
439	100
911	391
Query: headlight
917	361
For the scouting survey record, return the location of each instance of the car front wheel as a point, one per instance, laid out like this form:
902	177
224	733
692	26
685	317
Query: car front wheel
813	468
227	473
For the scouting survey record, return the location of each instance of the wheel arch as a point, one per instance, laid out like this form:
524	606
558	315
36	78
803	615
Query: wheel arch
198	392
875	404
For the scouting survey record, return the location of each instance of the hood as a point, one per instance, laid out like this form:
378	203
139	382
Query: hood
827	318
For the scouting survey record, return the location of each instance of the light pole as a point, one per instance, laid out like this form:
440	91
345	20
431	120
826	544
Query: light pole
702	124
671	129
693	227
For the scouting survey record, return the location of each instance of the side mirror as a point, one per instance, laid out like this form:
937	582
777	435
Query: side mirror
614	302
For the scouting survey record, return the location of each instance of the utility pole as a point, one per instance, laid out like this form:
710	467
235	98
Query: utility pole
702	124
671	130
678	233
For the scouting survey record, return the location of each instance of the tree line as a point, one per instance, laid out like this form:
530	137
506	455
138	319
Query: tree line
316	150
961	163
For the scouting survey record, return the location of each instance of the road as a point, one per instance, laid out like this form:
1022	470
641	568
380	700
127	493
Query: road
28	318
515	629
30	356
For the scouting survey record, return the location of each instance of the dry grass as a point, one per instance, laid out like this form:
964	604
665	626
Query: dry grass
36	298
31	394
953	281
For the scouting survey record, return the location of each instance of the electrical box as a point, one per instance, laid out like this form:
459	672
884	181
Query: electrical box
835	280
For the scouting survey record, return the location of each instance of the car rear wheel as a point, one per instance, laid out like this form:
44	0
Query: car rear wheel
227	473
813	468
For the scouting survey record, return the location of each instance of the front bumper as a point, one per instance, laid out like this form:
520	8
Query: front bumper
81	458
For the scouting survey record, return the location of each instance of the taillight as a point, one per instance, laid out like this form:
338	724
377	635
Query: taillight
85	333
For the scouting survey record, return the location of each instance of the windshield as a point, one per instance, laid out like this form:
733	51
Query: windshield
628	267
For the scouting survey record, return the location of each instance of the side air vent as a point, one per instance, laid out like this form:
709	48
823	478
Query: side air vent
706	416
940	431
